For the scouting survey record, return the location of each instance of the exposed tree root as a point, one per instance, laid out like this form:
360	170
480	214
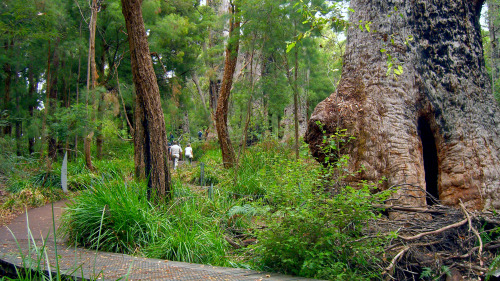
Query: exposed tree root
452	243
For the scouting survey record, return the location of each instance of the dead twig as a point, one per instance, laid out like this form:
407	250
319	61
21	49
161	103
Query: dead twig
471	266
408	209
460	223
390	269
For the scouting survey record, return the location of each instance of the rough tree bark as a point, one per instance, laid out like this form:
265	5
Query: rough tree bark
91	79
150	138
437	124
228	156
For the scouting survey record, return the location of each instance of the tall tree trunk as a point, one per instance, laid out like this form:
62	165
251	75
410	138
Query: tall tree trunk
150	138
292	81
47	91
436	124
296	102
248	116
7	68
196	82
100	107
78	84
91	80
52	100
232	47
19	127
31	105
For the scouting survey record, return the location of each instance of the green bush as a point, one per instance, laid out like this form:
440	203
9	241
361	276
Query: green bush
324	238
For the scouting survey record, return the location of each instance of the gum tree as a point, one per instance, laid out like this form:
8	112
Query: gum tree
150	139
416	95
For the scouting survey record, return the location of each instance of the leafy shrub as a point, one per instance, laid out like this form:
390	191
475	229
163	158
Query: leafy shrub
323	238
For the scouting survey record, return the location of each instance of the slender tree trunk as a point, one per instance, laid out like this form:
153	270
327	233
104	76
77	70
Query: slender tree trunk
150	138
196	82
91	80
52	100
249	108
7	130
78	86
31	106
47	91
232	47
7	68
19	128
131	128
296	102
100	108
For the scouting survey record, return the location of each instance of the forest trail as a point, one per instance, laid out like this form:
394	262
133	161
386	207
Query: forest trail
89	264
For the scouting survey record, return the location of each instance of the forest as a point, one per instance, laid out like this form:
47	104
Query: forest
331	139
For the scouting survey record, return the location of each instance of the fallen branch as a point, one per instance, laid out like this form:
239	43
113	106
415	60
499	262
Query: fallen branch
231	241
471	266
390	269
460	223
407	209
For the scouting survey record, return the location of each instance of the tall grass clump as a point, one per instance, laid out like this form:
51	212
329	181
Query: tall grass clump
113	216
193	232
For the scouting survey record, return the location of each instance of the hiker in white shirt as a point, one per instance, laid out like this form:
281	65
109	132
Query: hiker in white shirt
189	153
175	151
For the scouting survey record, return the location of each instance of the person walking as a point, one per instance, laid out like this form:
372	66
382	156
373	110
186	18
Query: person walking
175	151
189	153
200	135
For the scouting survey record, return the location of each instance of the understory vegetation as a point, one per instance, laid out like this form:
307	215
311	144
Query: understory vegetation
271	203
268	213
271	213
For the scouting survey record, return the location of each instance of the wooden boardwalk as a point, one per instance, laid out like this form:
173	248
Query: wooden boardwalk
39	253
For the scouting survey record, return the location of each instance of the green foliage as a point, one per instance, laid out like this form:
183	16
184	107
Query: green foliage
128	222
324	237
313	234
429	274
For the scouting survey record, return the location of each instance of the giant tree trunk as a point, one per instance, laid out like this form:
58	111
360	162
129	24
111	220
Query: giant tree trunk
232	47
436	125
150	138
